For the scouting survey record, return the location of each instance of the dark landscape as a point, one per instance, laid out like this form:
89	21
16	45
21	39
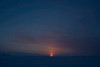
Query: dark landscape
8	60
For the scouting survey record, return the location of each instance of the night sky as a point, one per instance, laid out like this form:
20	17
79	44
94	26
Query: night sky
41	27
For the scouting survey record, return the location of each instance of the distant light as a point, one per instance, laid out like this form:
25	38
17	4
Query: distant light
51	54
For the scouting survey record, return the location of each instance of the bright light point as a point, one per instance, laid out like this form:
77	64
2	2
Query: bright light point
51	54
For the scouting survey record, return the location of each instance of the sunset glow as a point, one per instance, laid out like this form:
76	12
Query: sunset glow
51	54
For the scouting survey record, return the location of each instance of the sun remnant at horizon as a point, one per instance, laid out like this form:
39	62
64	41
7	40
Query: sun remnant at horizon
51	54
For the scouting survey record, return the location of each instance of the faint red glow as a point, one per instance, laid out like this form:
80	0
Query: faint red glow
51	51
51	54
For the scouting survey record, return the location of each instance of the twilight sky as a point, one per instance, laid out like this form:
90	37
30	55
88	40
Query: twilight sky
39	27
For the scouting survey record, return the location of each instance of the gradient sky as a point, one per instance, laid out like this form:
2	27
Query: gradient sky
64	27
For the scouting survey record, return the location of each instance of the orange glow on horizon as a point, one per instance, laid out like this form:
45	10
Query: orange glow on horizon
51	54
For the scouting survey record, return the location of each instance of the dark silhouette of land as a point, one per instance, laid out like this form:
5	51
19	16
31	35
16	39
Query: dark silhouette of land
8	60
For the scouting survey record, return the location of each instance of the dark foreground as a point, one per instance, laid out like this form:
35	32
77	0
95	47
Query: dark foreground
45	61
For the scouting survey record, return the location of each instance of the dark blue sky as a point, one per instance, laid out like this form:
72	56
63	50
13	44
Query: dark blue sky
67	27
